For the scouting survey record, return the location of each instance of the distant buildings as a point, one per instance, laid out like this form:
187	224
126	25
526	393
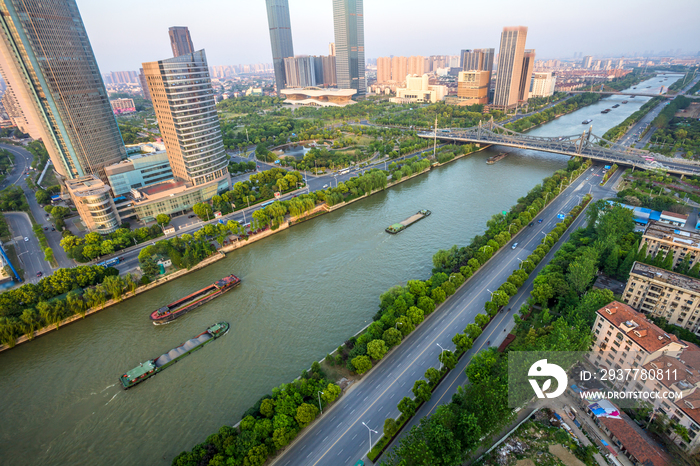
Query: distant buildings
123	77
419	89
58	86
587	61
510	66
299	71
317	97
280	38
120	106
348	22
543	84
416	65
180	40
144	85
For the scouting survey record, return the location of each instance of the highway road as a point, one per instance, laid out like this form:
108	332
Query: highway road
30	255
339	437
23	159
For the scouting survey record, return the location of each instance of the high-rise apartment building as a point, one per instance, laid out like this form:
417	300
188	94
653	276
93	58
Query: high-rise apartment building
383	70
123	77
299	71
49	64
144	85
180	40
477	60
331	49
183	100
510	66
542	84
587	61
416	65
526	75
349	27
329	78
280	38
399	69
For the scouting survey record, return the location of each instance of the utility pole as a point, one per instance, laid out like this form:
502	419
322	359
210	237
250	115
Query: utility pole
435	138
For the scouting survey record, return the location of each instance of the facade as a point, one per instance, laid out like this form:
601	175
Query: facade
626	339
94	203
41	63
144	85
661	293
317	97
329	78
416	65
587	61
280	38
477	59
123	77
180	40
473	87
510	66
120	106
349	28
543	84
331	49
661	238
526	75
299	71
418	89
138	171
383	70
12	107
399	69
183	100
672	218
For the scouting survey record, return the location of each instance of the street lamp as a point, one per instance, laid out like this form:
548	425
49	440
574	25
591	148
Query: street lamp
319	402
370	436
490	292
397	325
443	350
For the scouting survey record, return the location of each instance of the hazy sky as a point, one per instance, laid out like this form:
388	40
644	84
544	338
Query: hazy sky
126	33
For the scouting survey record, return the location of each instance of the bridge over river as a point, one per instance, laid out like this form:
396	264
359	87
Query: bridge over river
586	145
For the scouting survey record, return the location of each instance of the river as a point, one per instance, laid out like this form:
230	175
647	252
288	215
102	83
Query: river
304	291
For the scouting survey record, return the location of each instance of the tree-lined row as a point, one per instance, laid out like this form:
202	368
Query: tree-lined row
95	245
447	153
616	132
267	427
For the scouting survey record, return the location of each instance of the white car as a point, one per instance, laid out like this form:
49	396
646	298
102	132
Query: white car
515	245
26	239
325	186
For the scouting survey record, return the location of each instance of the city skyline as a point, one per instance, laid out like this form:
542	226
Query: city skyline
243	35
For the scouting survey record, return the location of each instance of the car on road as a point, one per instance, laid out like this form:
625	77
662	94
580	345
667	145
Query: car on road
325	186
539	221
592	169
531	224
191	216
53	228
39	274
360	463
515	245
26	239
46	228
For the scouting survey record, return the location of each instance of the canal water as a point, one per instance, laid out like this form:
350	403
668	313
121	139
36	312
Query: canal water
304	291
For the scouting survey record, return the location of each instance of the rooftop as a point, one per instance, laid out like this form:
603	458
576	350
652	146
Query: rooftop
636	441
670	233
670	278
682	217
637	328
88	185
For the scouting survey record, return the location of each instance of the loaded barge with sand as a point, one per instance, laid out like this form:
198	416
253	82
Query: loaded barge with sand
496	158
397	227
153	366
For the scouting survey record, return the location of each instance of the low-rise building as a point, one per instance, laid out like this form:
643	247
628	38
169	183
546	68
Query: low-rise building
120	106
318	97
138	171
92	197
661	293
661	237
419	89
673	218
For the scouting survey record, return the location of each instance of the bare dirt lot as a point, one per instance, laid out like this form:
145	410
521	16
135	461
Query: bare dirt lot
691	112
565	456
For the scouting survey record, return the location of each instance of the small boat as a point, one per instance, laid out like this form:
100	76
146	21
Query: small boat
585	122
624	101
172	311
153	366
496	158
607	110
632	97
616	105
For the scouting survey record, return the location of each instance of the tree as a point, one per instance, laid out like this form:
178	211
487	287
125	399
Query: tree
330	393
162	220
203	211
267	408
448	358
438	295
390	427
361	364
421	390
462	341
391	336
407	407
481	320
433	376
542	292
582	270
306	413
150	268
376	349
473	331
415	314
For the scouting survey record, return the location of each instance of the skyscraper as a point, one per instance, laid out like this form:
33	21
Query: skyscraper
49	64
349	26
183	99
477	60
180	40
280	37
510	66
300	71
526	75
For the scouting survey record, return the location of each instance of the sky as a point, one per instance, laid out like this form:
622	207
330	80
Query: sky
126	33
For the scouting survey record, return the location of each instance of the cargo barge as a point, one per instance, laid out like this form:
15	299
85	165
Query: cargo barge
397	227
496	158
172	311
585	122
153	366
607	110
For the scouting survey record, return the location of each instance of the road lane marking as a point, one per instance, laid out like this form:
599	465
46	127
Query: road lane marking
354	437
